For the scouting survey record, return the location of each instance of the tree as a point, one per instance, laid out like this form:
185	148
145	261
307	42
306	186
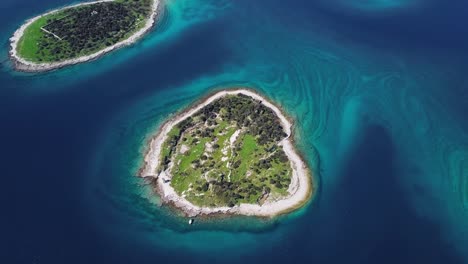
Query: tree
205	187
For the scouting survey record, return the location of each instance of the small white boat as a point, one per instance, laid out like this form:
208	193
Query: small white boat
191	221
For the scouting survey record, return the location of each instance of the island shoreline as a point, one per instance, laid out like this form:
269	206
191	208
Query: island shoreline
23	65
304	185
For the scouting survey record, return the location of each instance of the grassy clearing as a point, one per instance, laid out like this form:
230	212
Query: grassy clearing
245	157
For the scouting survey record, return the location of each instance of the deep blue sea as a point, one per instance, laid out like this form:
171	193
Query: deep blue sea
378	90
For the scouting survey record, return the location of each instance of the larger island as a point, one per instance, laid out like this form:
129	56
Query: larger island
79	33
232	153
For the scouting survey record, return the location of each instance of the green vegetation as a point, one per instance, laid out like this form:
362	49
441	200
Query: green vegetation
227	153
83	30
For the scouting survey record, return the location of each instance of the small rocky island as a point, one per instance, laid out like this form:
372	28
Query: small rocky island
231	153
80	33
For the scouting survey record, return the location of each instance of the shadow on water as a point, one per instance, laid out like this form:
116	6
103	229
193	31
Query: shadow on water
367	219
375	221
431	27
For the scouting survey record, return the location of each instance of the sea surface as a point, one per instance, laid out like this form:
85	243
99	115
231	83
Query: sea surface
378	90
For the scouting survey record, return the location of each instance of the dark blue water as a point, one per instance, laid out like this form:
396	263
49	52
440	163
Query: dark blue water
378	92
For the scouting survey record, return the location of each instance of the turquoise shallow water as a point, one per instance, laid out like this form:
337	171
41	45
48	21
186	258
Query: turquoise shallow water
377	93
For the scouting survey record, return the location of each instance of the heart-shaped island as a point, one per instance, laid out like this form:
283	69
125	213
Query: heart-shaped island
232	153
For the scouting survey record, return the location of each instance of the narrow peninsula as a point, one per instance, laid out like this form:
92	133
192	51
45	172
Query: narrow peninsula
232	153
80	33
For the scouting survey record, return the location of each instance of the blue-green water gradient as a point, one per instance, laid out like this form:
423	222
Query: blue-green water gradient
377	90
